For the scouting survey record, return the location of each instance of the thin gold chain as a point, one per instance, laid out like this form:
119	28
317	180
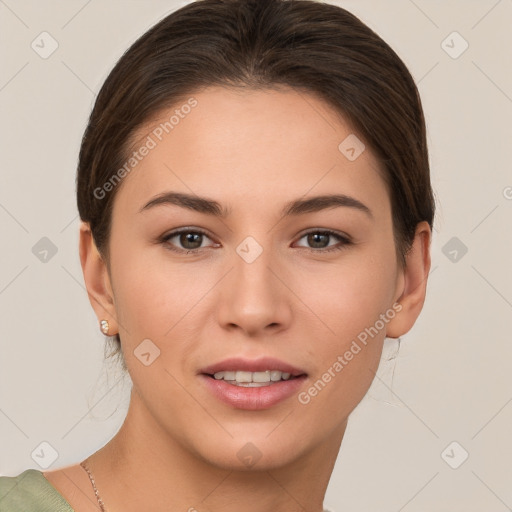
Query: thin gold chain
91	478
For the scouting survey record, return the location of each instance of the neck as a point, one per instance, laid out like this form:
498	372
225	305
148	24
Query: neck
156	472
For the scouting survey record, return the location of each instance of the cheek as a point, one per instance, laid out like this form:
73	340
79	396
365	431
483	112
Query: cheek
347	297
152	294
352	304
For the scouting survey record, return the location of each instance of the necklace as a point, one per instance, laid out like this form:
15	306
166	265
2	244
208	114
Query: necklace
91	478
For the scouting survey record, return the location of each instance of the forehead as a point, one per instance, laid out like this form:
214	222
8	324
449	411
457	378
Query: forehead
242	143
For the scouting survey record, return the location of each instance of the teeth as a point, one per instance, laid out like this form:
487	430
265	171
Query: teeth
275	375
247	378
243	377
261	377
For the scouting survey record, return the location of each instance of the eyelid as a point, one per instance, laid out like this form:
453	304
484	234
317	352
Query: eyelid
326	231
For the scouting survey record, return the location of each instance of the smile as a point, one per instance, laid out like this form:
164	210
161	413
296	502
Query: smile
252	379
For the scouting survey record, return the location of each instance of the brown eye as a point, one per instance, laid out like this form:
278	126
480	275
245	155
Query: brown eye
318	241
190	240
185	240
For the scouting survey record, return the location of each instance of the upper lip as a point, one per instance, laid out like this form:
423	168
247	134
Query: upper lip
252	365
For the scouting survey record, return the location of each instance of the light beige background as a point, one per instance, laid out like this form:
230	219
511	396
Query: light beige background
452	378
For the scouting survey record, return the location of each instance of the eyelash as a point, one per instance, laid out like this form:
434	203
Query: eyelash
345	241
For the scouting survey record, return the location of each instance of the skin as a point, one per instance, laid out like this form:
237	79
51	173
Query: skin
252	151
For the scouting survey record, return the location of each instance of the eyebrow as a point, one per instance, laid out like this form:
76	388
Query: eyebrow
296	207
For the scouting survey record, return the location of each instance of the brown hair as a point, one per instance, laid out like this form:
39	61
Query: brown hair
307	45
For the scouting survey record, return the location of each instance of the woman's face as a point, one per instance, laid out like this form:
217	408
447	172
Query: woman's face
258	282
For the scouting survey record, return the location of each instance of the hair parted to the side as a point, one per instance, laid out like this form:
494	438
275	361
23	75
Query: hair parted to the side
310	46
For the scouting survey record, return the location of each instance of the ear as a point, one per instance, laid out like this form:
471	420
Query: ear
97	280
412	283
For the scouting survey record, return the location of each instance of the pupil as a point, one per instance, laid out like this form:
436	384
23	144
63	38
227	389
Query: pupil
314	237
189	237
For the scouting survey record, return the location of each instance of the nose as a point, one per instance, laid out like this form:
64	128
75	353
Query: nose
254	297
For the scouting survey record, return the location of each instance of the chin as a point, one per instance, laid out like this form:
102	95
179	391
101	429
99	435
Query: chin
252	453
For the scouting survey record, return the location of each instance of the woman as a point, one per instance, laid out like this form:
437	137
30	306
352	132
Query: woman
256	211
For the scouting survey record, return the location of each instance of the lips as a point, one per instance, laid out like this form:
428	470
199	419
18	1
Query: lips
257	365
253	396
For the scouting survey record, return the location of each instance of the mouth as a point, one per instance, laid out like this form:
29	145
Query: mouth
252	384
252	373
253	379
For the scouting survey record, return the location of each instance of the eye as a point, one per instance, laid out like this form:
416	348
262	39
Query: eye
190	240
319	240
187	240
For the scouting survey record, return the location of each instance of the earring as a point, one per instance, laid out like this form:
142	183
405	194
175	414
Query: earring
104	327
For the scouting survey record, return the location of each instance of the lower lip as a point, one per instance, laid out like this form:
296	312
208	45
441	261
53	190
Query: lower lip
253	399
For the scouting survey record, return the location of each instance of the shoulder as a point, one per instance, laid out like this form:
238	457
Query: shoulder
30	492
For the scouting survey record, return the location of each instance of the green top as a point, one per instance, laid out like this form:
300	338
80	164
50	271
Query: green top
30	492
